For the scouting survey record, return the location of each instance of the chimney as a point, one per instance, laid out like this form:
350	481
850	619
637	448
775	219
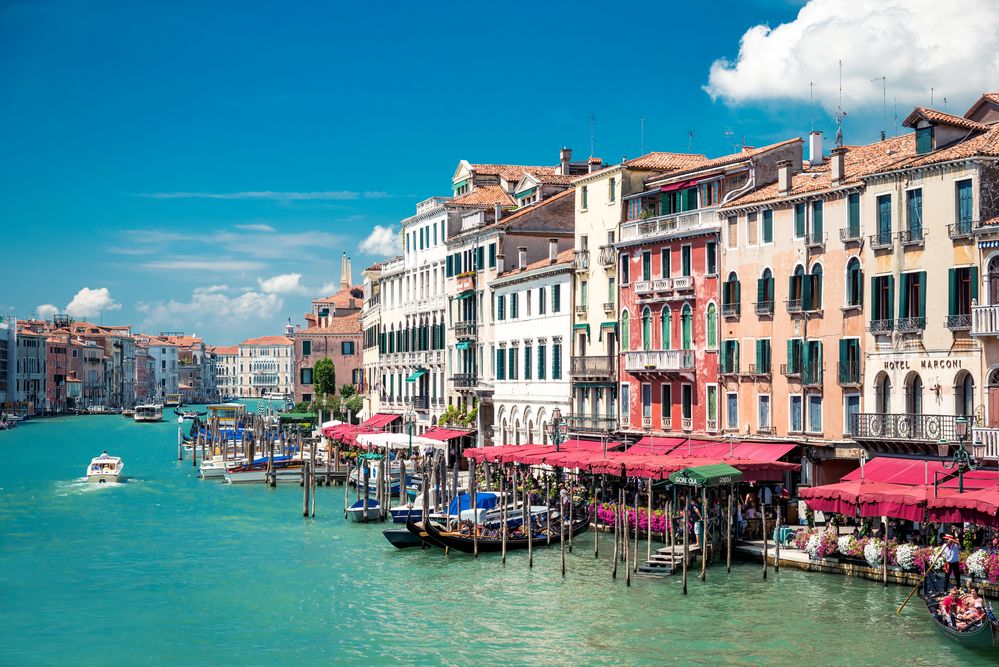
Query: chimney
593	164
552	250
564	158
497	212
815	148
522	257
838	158
500	261
344	280
784	177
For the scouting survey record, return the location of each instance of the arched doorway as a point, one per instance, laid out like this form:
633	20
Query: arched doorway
882	391
964	394
994	398
913	394
994	280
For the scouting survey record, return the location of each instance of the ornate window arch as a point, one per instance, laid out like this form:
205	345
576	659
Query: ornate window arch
646	328
666	327
625	332
711	325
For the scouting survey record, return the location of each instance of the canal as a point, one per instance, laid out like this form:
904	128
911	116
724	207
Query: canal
169	569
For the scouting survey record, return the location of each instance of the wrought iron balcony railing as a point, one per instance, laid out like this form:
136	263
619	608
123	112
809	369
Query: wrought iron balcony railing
910	325
882	240
790	370
584	424
930	429
659	360
582	261
793	305
764	308
911	237
730	310
849	234
464	380
421	402
881	326
466	329
960	230
607	256
958	322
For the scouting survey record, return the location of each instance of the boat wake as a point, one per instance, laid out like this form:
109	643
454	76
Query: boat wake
81	485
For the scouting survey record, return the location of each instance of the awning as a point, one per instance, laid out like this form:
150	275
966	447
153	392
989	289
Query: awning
582	327
762	451
379	420
705	449
396	441
916	472
446	434
462	345
978	507
653	446
678	186
467	294
417	374
609	325
526	193
709	475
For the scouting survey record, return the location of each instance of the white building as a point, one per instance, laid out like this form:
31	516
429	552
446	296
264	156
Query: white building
532	330
265	366
8	361
227	370
371	321
166	375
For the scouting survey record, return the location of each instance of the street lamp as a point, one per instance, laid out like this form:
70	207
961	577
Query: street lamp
410	419
556	428
960	459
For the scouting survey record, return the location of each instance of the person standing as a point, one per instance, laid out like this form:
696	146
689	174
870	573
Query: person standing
952	560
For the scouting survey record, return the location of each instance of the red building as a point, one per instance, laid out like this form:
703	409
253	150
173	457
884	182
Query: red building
670	293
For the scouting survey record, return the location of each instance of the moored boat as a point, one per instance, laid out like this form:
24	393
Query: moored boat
357	514
401	538
104	469
148	413
489	543
128	412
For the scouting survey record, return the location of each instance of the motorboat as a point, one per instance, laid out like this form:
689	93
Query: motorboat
104	469
401	538
128	412
172	400
395	470
148	413
357	514
285	470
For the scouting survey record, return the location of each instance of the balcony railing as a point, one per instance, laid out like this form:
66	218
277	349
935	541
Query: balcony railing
985	320
646	422
958	322
815	241
643	287
910	325
609	307
668	224
601	367
790	370
759	370
681	283
466	329
421	403
581	262
591	424
667	423
711	425
881	326
464	380
687	423
581	310
988	437
730	310
659	360
849	234
607	256
929	429
662	285
911	237
882	240
811	375
793	305
848	374
764	308
960	230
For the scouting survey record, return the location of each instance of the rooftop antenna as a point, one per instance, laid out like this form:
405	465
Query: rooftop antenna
840	114
895	130
884	105
593	125
931	96
690	140
642	123
729	132
945	104
811	105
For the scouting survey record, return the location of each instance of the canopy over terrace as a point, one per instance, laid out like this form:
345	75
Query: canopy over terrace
979	507
444	434
717	474
920	472
710	449
346	432
872	499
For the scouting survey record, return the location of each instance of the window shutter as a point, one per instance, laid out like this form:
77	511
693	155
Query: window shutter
817	220
480	258
818	360
768	226
875	298
724	356
759	356
735	355
449	268
799	220
738	293
891	297
556	298
806	356
761	290
860	286
974	284
922	294
951	291
806	292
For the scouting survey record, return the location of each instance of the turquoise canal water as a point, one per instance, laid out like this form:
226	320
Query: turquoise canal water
169	569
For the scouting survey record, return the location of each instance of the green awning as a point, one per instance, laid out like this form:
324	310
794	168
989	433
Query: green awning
526	193
713	475
609	325
291	417
466	294
463	345
420	372
459	184
582	327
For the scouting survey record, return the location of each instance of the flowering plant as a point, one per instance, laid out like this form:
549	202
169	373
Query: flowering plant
846	544
802	538
978	563
872	552
905	556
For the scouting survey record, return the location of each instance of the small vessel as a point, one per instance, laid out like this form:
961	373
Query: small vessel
148	413
172	401
401	538
104	469
462	541
285	470
357	514
128	412
190	415
983	634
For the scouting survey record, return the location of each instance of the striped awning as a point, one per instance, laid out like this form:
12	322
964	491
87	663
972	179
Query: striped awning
988	244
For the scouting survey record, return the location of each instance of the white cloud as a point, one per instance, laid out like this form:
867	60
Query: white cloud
259	227
285	283
91	302
207	264
329	288
381	241
214	305
269	195
46	311
916	44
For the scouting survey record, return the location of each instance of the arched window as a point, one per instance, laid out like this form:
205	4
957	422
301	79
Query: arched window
882	390
914	394
711	321
685	327
731	296
625	332
854	283
765	293
994	281
646	329
666	327
964	395
816	287
795	289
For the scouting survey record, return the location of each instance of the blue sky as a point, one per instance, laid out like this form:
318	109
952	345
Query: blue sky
202	166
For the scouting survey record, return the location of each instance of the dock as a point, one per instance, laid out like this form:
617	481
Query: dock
667	560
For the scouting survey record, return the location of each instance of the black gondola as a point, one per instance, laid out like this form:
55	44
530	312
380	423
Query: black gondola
466	543
402	538
981	635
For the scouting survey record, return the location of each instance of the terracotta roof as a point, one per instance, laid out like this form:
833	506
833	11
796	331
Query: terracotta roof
564	257
510	172
182	341
934	116
230	350
483	195
544	211
666	161
342	298
554	179
267	340
725	160
347	324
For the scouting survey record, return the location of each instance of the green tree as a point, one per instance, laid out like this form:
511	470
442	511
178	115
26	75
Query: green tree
352	404
347	390
324	377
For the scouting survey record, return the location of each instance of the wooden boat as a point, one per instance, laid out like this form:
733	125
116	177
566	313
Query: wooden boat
984	634
401	538
357	514
466	543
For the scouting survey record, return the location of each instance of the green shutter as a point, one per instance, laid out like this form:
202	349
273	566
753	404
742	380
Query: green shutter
806	357
974	283
761	290
738	294
735	354
790	356
853	204
723	354
759	356
492	255
951	291
875	298
806	292
799	220
891	297
817	220
480	263
922	296
556	298
768	226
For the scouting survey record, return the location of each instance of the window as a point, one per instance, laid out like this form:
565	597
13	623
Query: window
665	327
685	260
962	290
480	258
492	255
306	348
731	295
686	324
611	190
964	206
501	307
811	369
795	417
912	301
710	193
646	400
542	302
646	329
512	355
964	395
646	265
347	348
712	401
849	361
711	323
817	235
914	214
814	290
611	293
768	226
557	361
763	412
625	332
501	364
583	197
815	413
305	376
795	353
514	314
542	349
528	369
634	209
625	269
751	229
799	221
853	215
625	402
763	356
854	283
851	408
882	303
527	306
686	401
729	361
732	411
924	140
582	293
733	232
664	263
556	298
884	219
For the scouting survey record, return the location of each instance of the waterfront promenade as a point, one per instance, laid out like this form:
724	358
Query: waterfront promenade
176	570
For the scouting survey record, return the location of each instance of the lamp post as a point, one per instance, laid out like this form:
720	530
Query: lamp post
410	419
556	427
961	458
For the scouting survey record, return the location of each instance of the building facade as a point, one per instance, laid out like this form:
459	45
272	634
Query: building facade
265	367
31	371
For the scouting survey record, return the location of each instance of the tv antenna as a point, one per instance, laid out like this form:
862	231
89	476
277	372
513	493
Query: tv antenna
884	105
642	124
811	105
593	126
840	114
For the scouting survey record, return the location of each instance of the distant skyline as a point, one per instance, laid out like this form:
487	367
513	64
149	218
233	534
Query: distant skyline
202	168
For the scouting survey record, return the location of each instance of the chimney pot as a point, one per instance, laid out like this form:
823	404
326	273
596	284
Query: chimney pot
500	263
522	257
564	158
784	177
815	148
552	250
838	167
497	212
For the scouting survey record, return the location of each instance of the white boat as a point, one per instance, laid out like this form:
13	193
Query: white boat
215	466
357	514
285	472
104	469
148	413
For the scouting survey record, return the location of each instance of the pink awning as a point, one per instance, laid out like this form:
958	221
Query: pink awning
379	420
445	434
762	451
918	472
979	507
653	446
678	186
704	449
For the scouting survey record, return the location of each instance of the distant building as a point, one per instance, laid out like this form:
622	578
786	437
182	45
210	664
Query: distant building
265	366
227	370
30	371
8	362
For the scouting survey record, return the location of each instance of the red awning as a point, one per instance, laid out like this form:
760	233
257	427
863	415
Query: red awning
703	449
919	472
653	446
678	186
762	451
445	434
380	420
978	507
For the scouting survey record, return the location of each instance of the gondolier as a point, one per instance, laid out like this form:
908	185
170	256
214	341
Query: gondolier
952	560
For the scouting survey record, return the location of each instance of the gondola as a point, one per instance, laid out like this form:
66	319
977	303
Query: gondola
416	529
189	414
401	538
984	634
466	543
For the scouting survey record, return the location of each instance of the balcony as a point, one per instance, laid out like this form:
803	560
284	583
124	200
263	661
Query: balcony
985	320
989	437
960	230
667	423
882	241
421	403
794	306
911	238
883	327
759	370
464	380
591	424
790	370
850	234
683	283
654	227
958	322
764	308
646	423
593	367
711	425
728	368
849	374
643	287
906	428
687	423
730	310
466	329
607	257
581	310
581	261
816	241
662	285
465	282
659	361
609	307
910	325
811	375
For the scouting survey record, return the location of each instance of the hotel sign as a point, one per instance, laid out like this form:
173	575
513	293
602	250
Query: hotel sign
924	364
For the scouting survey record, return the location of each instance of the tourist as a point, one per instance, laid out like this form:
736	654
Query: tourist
949	606
740	521
952	560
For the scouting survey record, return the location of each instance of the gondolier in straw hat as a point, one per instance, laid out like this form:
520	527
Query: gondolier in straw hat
952	560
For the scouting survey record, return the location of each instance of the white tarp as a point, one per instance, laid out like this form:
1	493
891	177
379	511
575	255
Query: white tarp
398	441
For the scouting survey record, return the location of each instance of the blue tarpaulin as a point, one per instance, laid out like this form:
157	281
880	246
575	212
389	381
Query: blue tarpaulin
483	500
